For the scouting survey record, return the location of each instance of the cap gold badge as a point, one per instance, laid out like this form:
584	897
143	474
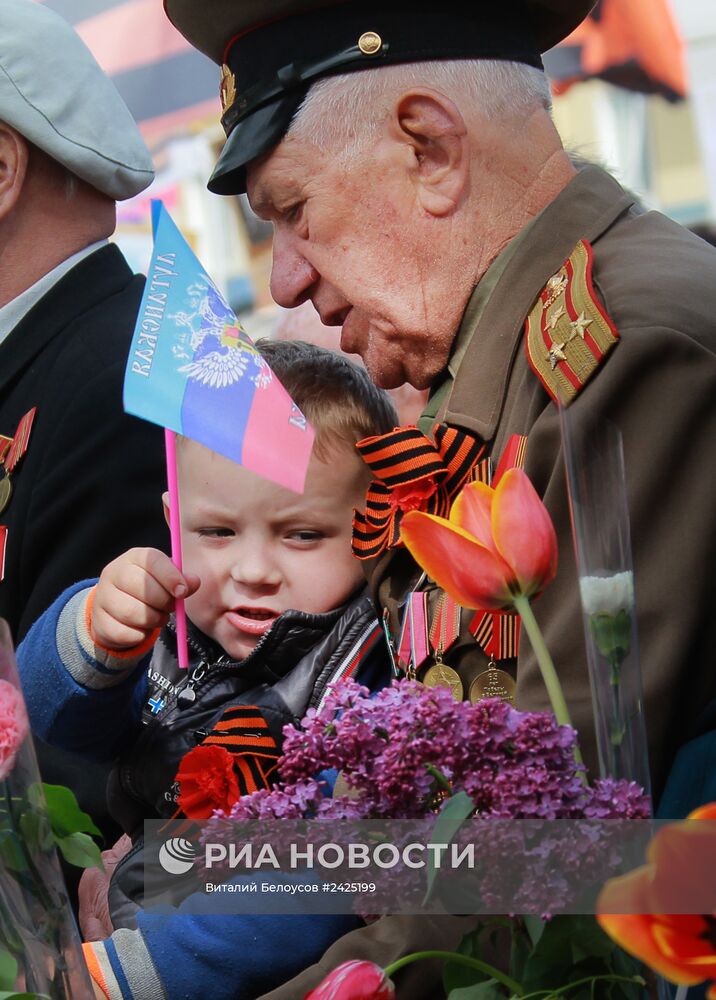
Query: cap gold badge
227	88
370	42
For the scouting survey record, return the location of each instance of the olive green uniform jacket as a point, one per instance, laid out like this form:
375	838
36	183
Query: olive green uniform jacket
657	282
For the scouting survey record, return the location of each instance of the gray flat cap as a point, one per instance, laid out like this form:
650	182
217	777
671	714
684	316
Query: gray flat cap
53	92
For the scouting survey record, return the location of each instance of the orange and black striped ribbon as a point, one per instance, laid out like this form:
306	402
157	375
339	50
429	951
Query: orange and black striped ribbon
513	457
411	473
243	731
497	632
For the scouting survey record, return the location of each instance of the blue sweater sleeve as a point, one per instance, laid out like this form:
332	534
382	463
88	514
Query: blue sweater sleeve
97	723
223	956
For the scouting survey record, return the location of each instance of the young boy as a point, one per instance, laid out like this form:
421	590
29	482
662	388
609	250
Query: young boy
276	612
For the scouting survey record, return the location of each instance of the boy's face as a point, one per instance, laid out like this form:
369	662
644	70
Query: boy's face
260	549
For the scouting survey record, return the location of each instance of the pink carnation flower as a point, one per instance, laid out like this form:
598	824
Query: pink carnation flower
13	726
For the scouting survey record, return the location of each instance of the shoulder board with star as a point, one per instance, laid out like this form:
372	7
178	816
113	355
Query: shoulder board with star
568	333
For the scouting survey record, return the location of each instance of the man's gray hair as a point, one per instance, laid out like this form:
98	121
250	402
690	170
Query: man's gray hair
343	112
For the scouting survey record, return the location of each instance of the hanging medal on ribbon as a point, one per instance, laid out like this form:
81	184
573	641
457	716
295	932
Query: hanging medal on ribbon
498	635
444	630
11	451
413	642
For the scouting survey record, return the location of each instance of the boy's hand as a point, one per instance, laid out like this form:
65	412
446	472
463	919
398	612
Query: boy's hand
134	596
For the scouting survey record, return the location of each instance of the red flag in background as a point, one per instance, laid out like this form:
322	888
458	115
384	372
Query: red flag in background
164	82
634	44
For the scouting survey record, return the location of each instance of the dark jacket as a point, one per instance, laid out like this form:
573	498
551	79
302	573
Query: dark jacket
287	673
89	486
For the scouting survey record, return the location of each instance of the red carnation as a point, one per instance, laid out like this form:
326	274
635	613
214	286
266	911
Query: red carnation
354	981
207	781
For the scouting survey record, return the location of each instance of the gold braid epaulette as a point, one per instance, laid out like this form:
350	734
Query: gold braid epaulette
568	333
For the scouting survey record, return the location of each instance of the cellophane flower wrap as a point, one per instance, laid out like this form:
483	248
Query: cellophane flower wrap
40	951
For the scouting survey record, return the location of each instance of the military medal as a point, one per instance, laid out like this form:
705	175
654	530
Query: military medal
444	630
498	634
11	451
413	642
5	488
492	683
441	675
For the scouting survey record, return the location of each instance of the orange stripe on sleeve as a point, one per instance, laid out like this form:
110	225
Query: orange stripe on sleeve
94	968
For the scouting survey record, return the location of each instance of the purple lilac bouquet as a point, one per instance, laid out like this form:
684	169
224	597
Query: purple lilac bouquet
404	752
413	753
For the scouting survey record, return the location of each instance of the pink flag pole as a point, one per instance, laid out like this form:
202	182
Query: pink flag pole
170	443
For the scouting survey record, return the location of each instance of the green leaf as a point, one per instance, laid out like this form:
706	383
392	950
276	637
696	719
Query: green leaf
5	995
79	849
488	990
35	831
65	814
11	853
8	970
456	977
572	948
535	927
519	952
451	818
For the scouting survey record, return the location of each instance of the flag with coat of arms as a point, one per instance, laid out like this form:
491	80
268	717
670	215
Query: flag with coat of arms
193	369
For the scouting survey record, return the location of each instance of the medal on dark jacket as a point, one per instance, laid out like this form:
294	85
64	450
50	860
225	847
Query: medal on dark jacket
444	630
5	488
11	451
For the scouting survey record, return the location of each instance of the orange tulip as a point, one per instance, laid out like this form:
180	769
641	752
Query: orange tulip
679	874
497	544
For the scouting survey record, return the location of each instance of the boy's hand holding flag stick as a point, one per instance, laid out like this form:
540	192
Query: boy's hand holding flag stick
194	371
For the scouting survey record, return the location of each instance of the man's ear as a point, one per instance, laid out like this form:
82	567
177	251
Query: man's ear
13	167
165	504
432	127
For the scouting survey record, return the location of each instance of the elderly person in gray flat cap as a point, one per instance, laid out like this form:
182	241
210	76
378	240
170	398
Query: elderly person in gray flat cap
78	478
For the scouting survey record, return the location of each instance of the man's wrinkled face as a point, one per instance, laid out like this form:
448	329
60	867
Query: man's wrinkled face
354	241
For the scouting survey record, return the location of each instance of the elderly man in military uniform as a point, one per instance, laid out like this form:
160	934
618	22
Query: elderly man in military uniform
422	200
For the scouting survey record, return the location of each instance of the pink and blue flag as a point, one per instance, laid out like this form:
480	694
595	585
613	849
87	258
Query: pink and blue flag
192	369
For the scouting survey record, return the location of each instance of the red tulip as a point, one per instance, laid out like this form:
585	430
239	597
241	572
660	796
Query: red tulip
497	544
354	980
679	946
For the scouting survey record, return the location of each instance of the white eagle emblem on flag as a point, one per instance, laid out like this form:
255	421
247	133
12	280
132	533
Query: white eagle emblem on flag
225	366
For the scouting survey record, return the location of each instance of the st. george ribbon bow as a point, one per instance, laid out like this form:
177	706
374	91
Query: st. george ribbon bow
411	473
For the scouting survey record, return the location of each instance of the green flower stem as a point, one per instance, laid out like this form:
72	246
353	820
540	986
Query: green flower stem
439	777
611	978
451	956
544	660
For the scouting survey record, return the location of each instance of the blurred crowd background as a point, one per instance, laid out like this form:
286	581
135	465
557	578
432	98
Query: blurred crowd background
634	89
